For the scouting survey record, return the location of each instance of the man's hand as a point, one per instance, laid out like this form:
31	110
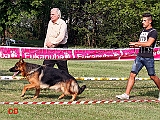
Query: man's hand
50	45
133	44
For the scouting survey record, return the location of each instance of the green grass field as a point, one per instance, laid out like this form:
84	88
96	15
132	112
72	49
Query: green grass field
10	91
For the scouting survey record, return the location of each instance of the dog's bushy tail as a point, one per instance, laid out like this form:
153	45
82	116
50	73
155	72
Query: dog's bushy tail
81	89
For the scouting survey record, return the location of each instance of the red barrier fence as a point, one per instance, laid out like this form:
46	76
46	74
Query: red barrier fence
72	54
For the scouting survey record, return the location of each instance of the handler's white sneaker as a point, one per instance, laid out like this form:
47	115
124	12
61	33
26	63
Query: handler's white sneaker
123	96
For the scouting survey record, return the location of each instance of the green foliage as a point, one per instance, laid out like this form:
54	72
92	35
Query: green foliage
111	23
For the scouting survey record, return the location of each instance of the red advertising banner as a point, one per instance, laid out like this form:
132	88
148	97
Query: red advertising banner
72	54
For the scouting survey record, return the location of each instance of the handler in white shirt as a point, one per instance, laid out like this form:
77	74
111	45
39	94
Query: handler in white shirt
56	37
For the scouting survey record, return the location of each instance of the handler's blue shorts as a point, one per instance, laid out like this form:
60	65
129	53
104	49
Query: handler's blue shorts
139	62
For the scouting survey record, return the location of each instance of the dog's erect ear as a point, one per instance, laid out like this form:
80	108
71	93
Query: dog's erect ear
21	59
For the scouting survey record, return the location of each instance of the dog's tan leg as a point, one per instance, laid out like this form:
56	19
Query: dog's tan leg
73	97
37	93
61	96
26	87
24	90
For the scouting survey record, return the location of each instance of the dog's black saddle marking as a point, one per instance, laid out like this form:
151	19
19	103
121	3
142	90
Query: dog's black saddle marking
52	76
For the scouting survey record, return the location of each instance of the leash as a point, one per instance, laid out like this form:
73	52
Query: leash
34	70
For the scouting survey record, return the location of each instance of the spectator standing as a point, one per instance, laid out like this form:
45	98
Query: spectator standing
56	37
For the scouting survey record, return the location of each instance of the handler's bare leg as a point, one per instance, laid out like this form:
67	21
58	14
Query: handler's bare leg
129	86
157	82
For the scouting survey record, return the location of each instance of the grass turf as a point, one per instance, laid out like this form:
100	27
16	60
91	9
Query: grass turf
96	90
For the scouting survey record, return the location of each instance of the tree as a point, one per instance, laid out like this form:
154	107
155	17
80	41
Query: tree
7	15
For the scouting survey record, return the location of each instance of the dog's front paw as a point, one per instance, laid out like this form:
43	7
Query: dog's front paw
22	95
35	97
59	98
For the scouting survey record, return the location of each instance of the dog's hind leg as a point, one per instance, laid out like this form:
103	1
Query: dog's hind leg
64	88
61	96
74	96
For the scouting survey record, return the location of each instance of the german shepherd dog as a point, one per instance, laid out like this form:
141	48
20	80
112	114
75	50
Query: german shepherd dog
41	77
